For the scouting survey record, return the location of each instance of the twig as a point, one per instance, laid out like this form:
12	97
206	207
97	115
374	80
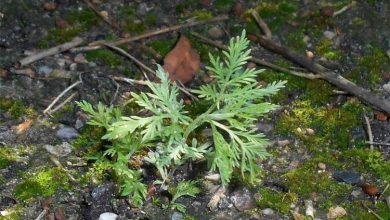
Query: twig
154	33
130	81
139	63
135	60
378	143
59	165
54	50
256	60
116	91
60	95
63	103
327	75
263	26
369	132
97	12
372	211
383	192
42	214
345	8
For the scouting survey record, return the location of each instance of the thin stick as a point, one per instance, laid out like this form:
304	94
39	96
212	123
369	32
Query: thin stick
135	60
331	77
130	81
139	63
63	103
256	60
372	211
116	91
369	132
54	50
59	165
154	33
263	26
383	192
42	214
345	8
378	143
60	95
97	12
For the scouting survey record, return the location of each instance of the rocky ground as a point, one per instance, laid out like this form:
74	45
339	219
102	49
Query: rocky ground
321	165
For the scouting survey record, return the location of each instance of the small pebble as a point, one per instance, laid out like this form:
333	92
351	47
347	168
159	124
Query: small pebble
44	70
177	216
67	133
73	67
104	14
215	32
268	211
108	216
322	166
329	34
336	212
356	193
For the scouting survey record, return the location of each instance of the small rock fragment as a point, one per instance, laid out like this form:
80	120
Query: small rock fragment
322	166
243	199
49	6
268	211
309	54
59	150
356	193
104	14
387	87
177	216
44	70
79	58
336	212
309	211
329	34
283	143
214	177
310	131
347	176
108	216
215	32
67	133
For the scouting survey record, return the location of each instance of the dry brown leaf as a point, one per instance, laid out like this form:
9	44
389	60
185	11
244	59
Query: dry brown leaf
220	193
21	128
380	116
182	62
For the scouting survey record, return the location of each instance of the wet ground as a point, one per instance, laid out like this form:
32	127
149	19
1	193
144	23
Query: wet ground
317	136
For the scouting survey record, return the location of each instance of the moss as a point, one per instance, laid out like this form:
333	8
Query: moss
7	155
44	183
332	125
107	56
223	5
129	22
325	49
63	35
372	63
276	200
16	108
275	14
163	46
202	14
95	174
295	41
150	19
89	138
84	18
183	5
14	213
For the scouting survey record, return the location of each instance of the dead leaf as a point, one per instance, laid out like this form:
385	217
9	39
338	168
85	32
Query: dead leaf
21	128
380	116
182	63
220	193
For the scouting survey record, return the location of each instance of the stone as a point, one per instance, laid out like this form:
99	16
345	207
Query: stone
73	67
387	87
215	32
329	34
243	199
336	212
347	176
44	70
108	216
67	133
177	216
268	211
356	193
79	58
322	166
59	150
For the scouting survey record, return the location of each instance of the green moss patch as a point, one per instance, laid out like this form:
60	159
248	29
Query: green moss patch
44	183
332	126
105	55
277	200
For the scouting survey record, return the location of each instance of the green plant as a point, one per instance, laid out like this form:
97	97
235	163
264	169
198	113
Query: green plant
170	133
185	188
